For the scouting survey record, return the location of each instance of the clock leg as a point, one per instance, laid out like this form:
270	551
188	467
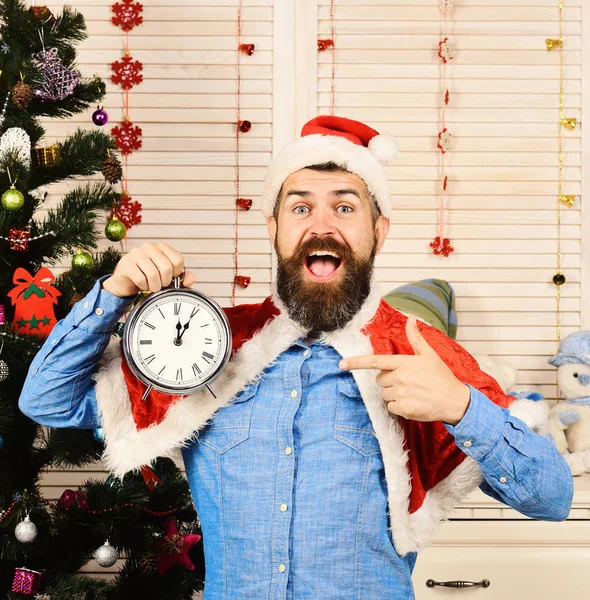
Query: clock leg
147	391
207	385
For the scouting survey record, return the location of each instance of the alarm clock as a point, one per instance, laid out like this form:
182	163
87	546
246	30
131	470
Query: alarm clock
177	340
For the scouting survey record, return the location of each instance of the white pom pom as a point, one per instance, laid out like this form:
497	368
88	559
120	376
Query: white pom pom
384	148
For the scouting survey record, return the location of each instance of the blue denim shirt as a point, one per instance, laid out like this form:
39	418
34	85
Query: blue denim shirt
288	480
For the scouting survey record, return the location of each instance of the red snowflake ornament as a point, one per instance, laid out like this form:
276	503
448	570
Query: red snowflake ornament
128	211
244	203
127	137
127	72
127	14
441	247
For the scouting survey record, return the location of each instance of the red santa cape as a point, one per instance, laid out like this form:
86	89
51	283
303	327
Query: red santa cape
427	474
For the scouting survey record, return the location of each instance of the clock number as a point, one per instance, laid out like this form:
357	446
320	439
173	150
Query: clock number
208	357
194	312
205	325
161	313
208	341
144	342
149	325
179	374
177	308
150	358
162	370
196	369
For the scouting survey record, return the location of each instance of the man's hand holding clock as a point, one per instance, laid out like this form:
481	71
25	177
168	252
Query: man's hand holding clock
150	267
156	346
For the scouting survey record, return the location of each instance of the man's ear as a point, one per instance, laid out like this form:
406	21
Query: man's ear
381	231
271	225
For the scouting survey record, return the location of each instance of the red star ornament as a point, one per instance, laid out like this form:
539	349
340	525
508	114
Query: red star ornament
127	72
127	137
127	14
174	548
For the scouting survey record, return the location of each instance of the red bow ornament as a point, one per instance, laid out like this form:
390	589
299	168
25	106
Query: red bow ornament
34	298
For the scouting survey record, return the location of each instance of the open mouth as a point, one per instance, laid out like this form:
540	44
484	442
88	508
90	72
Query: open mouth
322	265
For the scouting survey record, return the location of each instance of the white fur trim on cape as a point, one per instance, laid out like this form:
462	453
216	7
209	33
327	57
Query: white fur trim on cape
317	149
127	449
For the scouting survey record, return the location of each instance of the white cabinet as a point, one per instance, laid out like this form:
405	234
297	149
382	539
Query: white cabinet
521	558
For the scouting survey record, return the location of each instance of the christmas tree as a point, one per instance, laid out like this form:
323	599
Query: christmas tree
148	518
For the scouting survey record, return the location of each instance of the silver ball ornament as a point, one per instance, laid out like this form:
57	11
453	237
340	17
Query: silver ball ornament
26	531
106	555
4	372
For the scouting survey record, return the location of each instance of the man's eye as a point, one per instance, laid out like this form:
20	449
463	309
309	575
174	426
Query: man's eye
349	208
301	212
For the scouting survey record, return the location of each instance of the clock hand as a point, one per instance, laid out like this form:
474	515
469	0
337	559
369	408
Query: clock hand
178	328
186	326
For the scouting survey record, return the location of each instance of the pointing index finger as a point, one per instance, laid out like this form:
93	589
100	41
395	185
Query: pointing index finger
381	362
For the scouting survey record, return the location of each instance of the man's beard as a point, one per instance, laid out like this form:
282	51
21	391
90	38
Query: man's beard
324	306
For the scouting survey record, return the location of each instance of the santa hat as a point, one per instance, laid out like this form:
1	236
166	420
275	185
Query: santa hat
354	146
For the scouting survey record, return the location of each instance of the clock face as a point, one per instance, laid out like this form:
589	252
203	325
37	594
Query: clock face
177	341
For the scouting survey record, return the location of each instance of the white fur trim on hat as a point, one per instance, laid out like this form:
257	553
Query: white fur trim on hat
318	149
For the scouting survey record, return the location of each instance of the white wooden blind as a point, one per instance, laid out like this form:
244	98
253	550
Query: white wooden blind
502	168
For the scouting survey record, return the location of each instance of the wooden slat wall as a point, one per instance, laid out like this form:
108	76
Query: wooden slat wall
502	169
504	164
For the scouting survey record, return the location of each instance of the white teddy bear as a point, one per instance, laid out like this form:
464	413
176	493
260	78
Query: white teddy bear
570	419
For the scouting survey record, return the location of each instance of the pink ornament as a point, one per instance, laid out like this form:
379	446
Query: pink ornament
58	82
26	581
2	315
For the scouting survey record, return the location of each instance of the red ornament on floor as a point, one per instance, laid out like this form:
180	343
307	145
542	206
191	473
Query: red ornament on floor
34	298
127	137
127	72
443	247
127	14
173	548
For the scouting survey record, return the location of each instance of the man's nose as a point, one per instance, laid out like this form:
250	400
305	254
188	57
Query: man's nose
323	223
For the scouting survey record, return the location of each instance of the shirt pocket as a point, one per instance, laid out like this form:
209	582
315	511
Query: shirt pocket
231	425
352	425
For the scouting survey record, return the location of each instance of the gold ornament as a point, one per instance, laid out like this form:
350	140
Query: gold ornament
115	230
569	123
567	200
48	156
12	199
82	260
552	44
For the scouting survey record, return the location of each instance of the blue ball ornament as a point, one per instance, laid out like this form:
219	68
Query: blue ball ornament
98	434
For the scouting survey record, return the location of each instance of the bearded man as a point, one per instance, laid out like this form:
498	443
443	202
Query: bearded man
342	431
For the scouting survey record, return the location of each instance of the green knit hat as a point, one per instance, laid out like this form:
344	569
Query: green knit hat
432	300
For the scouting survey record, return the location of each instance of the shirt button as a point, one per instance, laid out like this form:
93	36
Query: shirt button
294	394
502	479
288	450
282	568
306	353
467	444
99	311
283	508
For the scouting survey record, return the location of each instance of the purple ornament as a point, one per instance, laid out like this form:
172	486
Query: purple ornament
100	116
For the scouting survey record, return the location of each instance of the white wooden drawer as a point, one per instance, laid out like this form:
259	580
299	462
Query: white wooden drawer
521	560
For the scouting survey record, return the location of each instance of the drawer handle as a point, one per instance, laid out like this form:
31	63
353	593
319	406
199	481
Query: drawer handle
458	584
